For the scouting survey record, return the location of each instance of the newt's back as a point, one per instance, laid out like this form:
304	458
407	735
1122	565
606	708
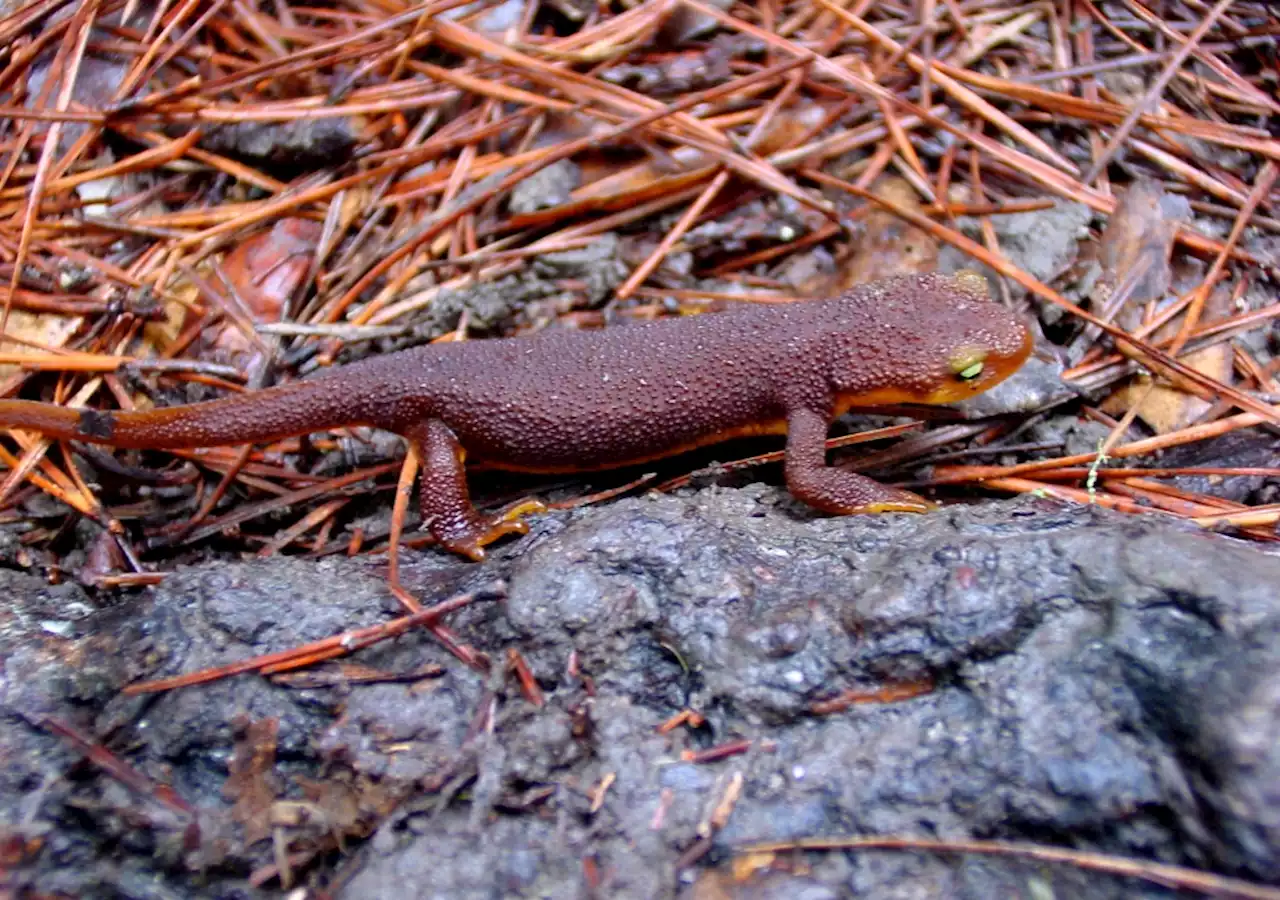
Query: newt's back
568	400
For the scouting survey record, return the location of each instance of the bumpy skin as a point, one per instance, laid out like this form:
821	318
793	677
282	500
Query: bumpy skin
567	401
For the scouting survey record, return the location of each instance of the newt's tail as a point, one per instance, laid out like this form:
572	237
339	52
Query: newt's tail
260	416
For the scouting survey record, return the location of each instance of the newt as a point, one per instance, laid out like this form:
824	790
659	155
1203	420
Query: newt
573	401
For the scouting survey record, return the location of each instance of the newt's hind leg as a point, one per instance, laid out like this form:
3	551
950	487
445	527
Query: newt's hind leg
811	480
446	502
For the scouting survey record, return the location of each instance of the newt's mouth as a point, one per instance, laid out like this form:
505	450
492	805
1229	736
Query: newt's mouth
971	370
977	371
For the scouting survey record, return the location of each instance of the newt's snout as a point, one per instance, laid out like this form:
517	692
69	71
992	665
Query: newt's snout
995	352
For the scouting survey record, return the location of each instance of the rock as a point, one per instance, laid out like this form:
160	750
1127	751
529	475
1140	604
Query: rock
1069	676
548	187
293	146
1042	243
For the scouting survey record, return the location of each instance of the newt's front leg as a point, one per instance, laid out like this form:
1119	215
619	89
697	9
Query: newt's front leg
446	502
810	479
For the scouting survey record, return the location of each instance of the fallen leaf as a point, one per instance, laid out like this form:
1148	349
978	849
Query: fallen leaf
44	329
1134	253
1167	409
252	784
886	245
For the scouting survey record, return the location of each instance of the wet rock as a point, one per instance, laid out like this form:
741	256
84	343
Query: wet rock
1078	678
1237	449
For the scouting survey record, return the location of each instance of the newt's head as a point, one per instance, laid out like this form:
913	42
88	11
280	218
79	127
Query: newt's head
925	339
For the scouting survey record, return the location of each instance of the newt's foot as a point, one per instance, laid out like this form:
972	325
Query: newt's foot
847	494
470	539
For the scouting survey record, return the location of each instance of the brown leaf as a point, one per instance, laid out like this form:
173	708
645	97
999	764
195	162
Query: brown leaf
45	329
260	275
1167	409
887	245
252	783
1135	247
264	271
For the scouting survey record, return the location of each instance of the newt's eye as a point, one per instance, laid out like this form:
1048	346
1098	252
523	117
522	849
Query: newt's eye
967	363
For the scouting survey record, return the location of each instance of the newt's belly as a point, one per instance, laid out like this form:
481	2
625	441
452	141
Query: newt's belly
546	442
557	460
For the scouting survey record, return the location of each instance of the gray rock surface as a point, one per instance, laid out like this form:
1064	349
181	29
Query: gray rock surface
1100	682
1041	243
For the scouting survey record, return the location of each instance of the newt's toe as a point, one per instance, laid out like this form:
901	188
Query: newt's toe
469	547
512	513
470	541
502	529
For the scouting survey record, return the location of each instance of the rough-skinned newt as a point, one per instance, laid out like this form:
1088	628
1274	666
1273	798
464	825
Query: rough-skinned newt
569	401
